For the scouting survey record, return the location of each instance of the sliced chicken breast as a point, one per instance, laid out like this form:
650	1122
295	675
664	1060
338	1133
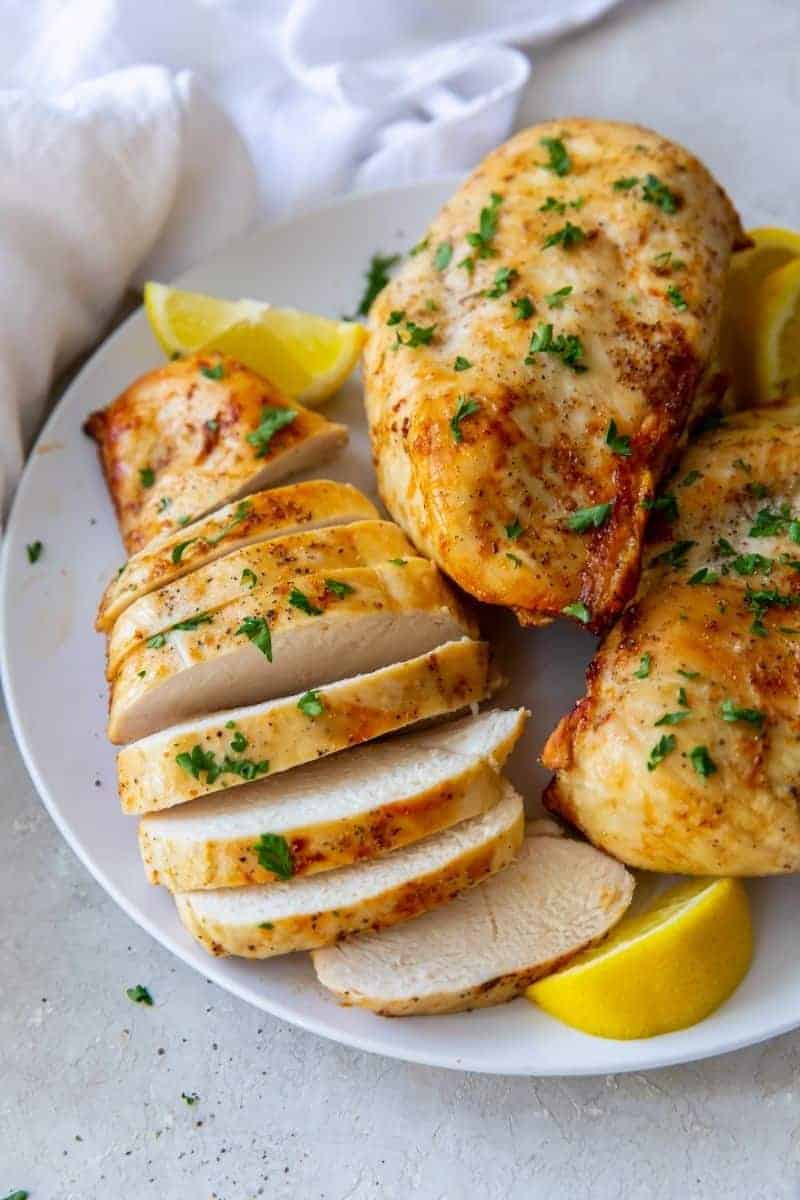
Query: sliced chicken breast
485	948
244	653
683	755
198	433
314	504
191	760
253	574
531	371
268	919
346	809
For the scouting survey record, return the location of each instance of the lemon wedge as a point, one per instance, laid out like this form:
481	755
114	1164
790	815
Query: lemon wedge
777	334
307	357
772	249
660	970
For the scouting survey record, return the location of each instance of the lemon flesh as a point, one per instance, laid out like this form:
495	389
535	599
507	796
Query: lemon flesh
307	357
772	249
777	335
659	971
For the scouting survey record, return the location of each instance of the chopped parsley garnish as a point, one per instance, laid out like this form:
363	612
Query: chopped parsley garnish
556	299
503	279
568	235
461	363
396	316
677	298
199	761
377	277
558	160
487	227
184	520
34	551
757	489
664	263
238	742
273	854
514	530
704	575
311	704
643	670
191	623
466	407
730	711
421	245
688	674
553	205
702	761
760	600
468	264
666	504
443	255
514	558
690	478
164	502
147	477
337	588
672	718
664	746
300	600
769	523
257	630
243	509
682	697
657	193
272	420
568	347
397	562
751	564
578	610
743	466
18	1195
523	308
248	578
418	335
589	518
215	372
618	443
139	995
675	556
625	185
189	1097
178	550
431	305
723	548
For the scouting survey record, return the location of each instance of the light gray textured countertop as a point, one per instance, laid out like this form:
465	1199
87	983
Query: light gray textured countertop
90	1084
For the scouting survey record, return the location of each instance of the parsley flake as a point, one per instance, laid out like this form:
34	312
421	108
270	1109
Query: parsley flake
556	299
666	504
396	316
523	308
568	347
272	420
238	742
568	235
675	556
257	630
704	575
311	704
249	579
487	228
664	746
300	600
553	205
189	1097
618	443
34	551
461	363
466	407
514	558
677	298
702	761
273	854
657	193
514	530
179	549
578	610
215	372
337	588
443	255
672	718
625	185
643	670
377	277
730	711
589	518
139	995
558	159
147	477
503	279
690	478
243	509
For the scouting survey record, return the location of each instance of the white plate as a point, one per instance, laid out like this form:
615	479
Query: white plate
53	675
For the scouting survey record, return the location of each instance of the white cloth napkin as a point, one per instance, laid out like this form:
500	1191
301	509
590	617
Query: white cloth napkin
114	171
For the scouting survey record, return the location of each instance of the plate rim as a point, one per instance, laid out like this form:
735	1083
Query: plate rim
261	999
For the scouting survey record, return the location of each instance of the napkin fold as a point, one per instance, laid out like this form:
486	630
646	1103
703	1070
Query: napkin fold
115	171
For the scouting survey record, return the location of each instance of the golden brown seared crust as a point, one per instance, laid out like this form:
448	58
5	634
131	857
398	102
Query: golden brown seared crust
263	515
184	865
535	450
716	640
401	903
355	711
174	444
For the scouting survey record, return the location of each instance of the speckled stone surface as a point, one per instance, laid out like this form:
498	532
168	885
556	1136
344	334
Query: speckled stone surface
91	1085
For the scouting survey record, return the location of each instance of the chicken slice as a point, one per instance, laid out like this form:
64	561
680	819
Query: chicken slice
531	370
313	504
283	642
198	433
684	756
